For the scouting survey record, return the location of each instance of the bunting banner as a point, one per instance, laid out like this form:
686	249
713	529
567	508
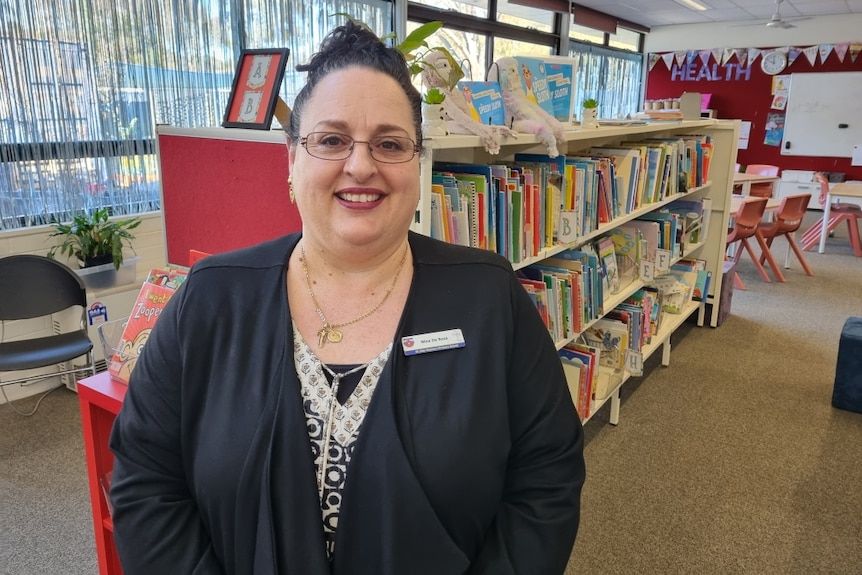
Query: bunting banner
747	56
668	60
841	50
811	54
753	53
792	55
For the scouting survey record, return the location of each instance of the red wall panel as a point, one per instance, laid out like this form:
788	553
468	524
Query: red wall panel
745	92
220	195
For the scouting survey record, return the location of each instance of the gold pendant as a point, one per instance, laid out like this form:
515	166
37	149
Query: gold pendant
334	335
321	336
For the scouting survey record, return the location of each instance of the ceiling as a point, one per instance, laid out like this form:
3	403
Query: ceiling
654	13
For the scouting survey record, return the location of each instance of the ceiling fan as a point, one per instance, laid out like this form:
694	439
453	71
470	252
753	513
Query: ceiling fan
778	22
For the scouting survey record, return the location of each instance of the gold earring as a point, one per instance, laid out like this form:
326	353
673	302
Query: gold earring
290	189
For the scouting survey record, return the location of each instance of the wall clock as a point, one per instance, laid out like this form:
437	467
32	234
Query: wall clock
773	62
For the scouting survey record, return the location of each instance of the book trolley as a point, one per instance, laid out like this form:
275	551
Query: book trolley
101	398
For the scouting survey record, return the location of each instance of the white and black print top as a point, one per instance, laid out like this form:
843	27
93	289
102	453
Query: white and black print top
333	421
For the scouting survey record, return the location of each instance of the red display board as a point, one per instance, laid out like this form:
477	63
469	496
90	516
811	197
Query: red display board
744	91
223	189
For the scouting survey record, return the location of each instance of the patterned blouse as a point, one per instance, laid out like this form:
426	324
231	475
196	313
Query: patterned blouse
332	448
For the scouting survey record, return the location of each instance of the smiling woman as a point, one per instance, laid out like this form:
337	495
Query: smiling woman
366	400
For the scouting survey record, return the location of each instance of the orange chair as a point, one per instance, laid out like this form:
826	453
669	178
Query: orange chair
838	212
746	222
786	222
762	190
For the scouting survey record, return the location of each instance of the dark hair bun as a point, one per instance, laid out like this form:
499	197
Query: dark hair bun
344	43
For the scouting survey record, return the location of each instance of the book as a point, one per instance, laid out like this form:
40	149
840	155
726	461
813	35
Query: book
535	82
161	284
486	101
561	72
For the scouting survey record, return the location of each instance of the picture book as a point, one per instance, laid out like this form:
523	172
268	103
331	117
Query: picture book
561	73
535	82
160	285
612	338
578	383
485	101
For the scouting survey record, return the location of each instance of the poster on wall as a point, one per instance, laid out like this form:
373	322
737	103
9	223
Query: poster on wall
744	134
774	129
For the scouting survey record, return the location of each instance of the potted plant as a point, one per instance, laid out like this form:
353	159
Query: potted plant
94	239
590	113
433	113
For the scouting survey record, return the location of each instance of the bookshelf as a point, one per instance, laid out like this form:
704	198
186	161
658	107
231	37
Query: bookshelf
723	134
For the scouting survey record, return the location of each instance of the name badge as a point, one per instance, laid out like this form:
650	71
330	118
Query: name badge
434	341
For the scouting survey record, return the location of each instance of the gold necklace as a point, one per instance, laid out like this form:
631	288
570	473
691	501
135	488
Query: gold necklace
330	332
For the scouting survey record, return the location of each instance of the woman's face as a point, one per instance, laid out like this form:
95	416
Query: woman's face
358	201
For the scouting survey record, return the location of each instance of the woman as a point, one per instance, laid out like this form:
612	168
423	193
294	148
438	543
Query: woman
355	399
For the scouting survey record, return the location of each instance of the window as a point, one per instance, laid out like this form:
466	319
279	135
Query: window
611	77
83	84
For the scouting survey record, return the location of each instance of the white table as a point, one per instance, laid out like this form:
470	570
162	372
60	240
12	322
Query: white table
842	190
745	180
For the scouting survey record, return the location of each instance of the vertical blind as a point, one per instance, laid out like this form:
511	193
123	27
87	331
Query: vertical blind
612	77
84	82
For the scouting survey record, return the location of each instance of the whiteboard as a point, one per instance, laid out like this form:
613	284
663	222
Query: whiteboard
816	106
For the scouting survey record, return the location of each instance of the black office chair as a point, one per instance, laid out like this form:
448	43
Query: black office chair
32	287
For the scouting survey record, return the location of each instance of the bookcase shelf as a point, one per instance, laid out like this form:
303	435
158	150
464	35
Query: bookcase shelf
722	133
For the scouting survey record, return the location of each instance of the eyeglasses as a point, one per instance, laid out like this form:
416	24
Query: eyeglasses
334	146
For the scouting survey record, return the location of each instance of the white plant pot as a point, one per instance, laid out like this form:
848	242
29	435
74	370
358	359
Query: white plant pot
590	118
433	120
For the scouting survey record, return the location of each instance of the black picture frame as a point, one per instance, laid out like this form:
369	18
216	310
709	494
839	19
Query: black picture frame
254	93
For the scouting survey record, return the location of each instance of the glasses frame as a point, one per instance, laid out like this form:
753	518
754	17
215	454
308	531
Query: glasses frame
303	141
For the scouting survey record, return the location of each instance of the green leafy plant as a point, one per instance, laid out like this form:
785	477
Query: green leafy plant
433	96
591	103
94	237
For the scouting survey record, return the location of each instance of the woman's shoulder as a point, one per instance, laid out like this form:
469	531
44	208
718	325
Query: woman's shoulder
266	255
432	252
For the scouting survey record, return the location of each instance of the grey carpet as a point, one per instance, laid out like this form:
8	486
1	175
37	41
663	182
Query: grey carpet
731	460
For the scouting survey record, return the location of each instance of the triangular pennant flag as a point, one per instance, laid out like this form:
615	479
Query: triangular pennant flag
792	55
741	54
855	48
690	56
726	55
811	54
716	54
841	50
784	49
680	57
668	60
825	50
653	60
704	57
753	53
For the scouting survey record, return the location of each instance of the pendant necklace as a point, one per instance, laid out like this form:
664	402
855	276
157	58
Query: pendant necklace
330	332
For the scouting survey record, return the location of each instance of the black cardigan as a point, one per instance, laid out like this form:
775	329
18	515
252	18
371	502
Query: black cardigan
469	460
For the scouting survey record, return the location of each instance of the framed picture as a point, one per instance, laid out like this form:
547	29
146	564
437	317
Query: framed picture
254	94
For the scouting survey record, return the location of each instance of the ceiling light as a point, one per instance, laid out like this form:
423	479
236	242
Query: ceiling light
693	4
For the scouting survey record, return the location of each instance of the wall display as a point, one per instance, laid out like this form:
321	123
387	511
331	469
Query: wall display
773	62
254	94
